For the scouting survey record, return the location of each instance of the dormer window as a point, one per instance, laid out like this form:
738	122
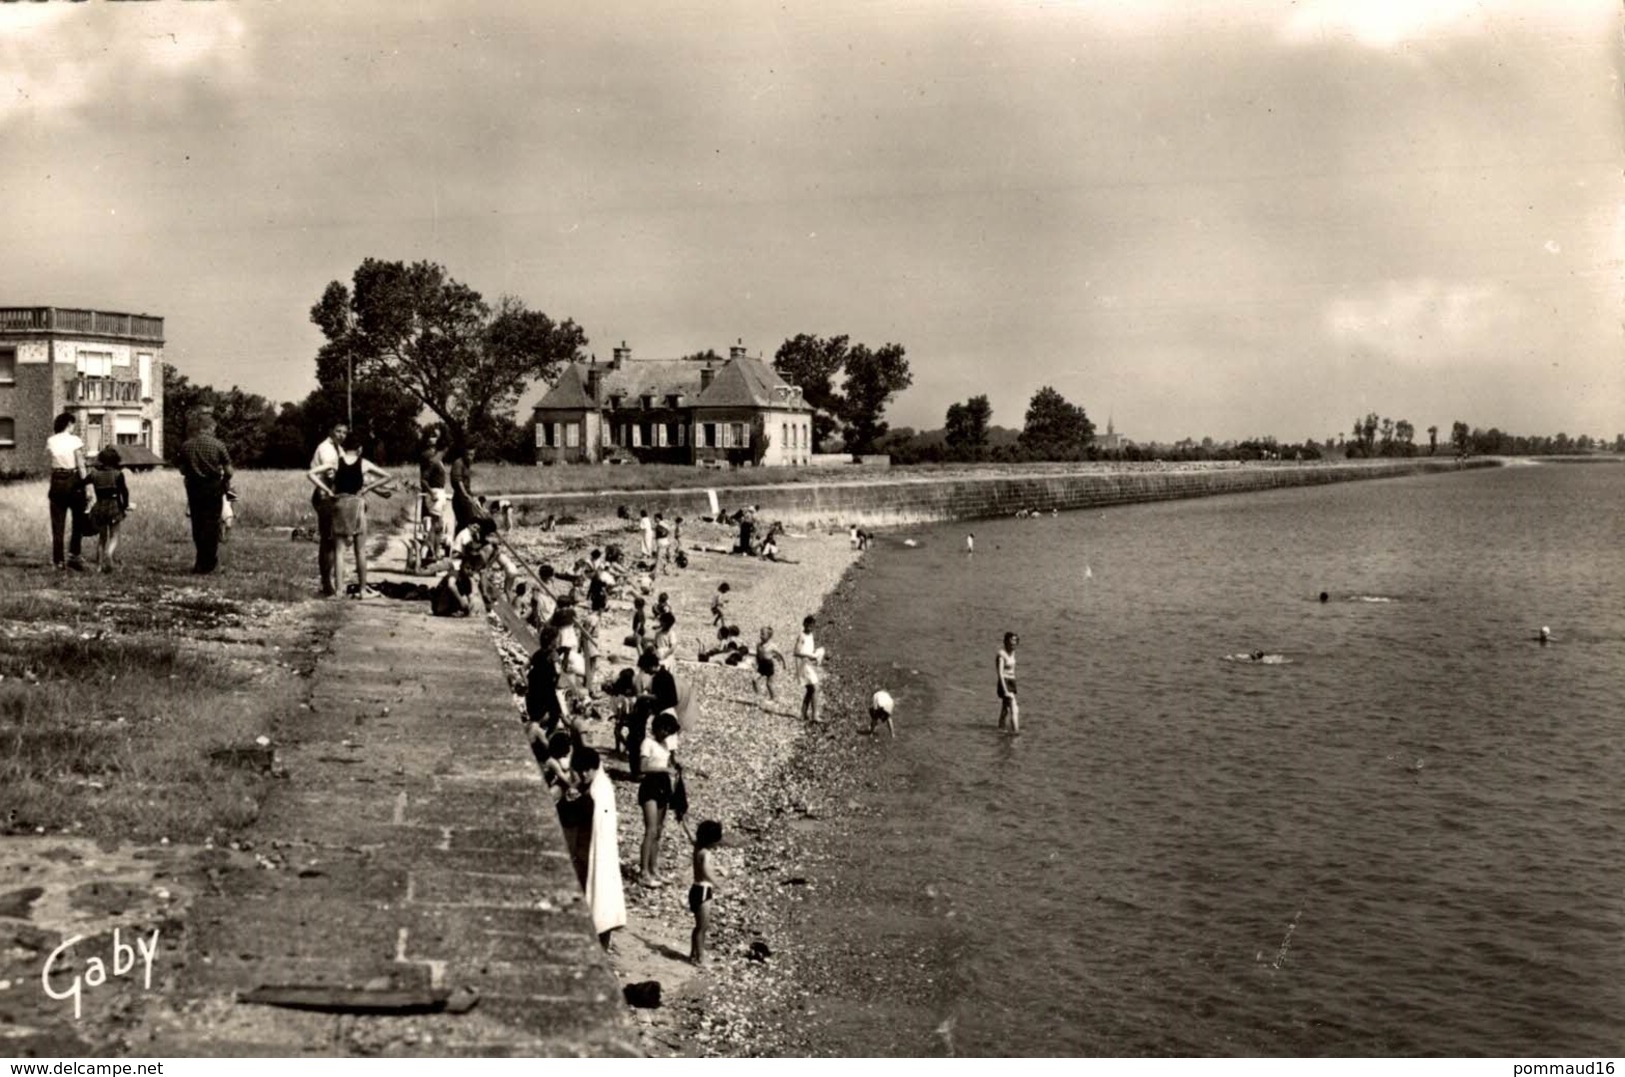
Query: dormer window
648	400
675	400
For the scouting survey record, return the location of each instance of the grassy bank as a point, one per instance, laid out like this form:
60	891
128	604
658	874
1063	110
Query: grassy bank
130	702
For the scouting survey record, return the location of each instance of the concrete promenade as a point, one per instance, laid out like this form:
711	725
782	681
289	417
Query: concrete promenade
411	847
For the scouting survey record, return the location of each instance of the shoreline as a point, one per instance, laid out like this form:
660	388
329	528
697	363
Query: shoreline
785	793
739	757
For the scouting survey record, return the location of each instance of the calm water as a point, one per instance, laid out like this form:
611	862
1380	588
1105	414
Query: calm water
1406	840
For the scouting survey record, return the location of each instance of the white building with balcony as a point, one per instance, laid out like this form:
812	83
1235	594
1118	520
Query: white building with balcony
105	368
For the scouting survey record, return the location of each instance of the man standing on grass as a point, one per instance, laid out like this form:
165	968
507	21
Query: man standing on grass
326	461
206	466
67	492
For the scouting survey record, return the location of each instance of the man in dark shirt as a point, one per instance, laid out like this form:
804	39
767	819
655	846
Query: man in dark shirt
206	466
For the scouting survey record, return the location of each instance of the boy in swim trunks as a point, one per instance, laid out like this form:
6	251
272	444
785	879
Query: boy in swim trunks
1005	667
766	655
706	872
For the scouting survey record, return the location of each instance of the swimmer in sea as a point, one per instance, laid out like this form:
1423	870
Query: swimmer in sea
1005	669
1261	657
970	543
1544	637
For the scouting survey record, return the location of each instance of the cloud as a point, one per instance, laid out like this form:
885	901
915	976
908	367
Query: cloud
1422	319
61	61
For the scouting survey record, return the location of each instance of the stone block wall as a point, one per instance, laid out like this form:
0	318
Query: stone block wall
901	500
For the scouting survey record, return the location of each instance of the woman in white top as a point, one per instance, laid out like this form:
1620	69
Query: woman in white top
660	774
67	491
809	656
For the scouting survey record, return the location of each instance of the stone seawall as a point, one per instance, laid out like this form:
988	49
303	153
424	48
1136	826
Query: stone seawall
899	500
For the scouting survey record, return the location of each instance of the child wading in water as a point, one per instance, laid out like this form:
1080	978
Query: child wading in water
766	655
706	873
1005	666
112	502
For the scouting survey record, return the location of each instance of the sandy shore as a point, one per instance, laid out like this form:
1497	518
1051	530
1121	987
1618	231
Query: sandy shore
738	757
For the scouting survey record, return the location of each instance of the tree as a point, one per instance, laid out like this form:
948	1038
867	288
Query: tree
1055	428
812	363
1459	436
1433	440
243	420
966	427
1386	428
1405	438
437	340
872	379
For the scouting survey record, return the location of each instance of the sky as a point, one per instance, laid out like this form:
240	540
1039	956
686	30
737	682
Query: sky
1226	218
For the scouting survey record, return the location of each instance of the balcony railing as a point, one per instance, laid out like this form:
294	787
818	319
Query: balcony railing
101	391
97	323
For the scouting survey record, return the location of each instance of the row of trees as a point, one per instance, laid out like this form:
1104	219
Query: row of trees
403	340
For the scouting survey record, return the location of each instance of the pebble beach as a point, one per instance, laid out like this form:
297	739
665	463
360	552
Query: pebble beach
751	764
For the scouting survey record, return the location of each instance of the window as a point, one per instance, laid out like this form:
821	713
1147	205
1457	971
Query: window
727	435
661	430
741	438
146	432
143	364
572	435
648	400
127	439
708	435
637	436
784	435
8	433
541	435
8	365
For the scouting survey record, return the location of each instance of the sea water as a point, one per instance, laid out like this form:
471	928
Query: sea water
1404	838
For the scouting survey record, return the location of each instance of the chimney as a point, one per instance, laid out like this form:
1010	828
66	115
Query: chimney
706	375
736	351
594	377
622	354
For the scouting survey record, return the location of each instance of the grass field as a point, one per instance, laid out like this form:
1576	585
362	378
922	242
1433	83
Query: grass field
123	696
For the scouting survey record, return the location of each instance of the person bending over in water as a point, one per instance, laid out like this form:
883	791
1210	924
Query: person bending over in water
1005	667
880	710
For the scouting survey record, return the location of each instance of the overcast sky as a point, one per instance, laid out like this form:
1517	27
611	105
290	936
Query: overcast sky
1224	218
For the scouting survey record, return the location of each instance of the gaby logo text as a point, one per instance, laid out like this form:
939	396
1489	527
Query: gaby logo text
96	971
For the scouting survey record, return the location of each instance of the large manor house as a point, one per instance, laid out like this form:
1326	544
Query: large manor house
705	411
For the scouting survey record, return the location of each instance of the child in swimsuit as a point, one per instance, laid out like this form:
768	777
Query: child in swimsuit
700	894
719	605
766	655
